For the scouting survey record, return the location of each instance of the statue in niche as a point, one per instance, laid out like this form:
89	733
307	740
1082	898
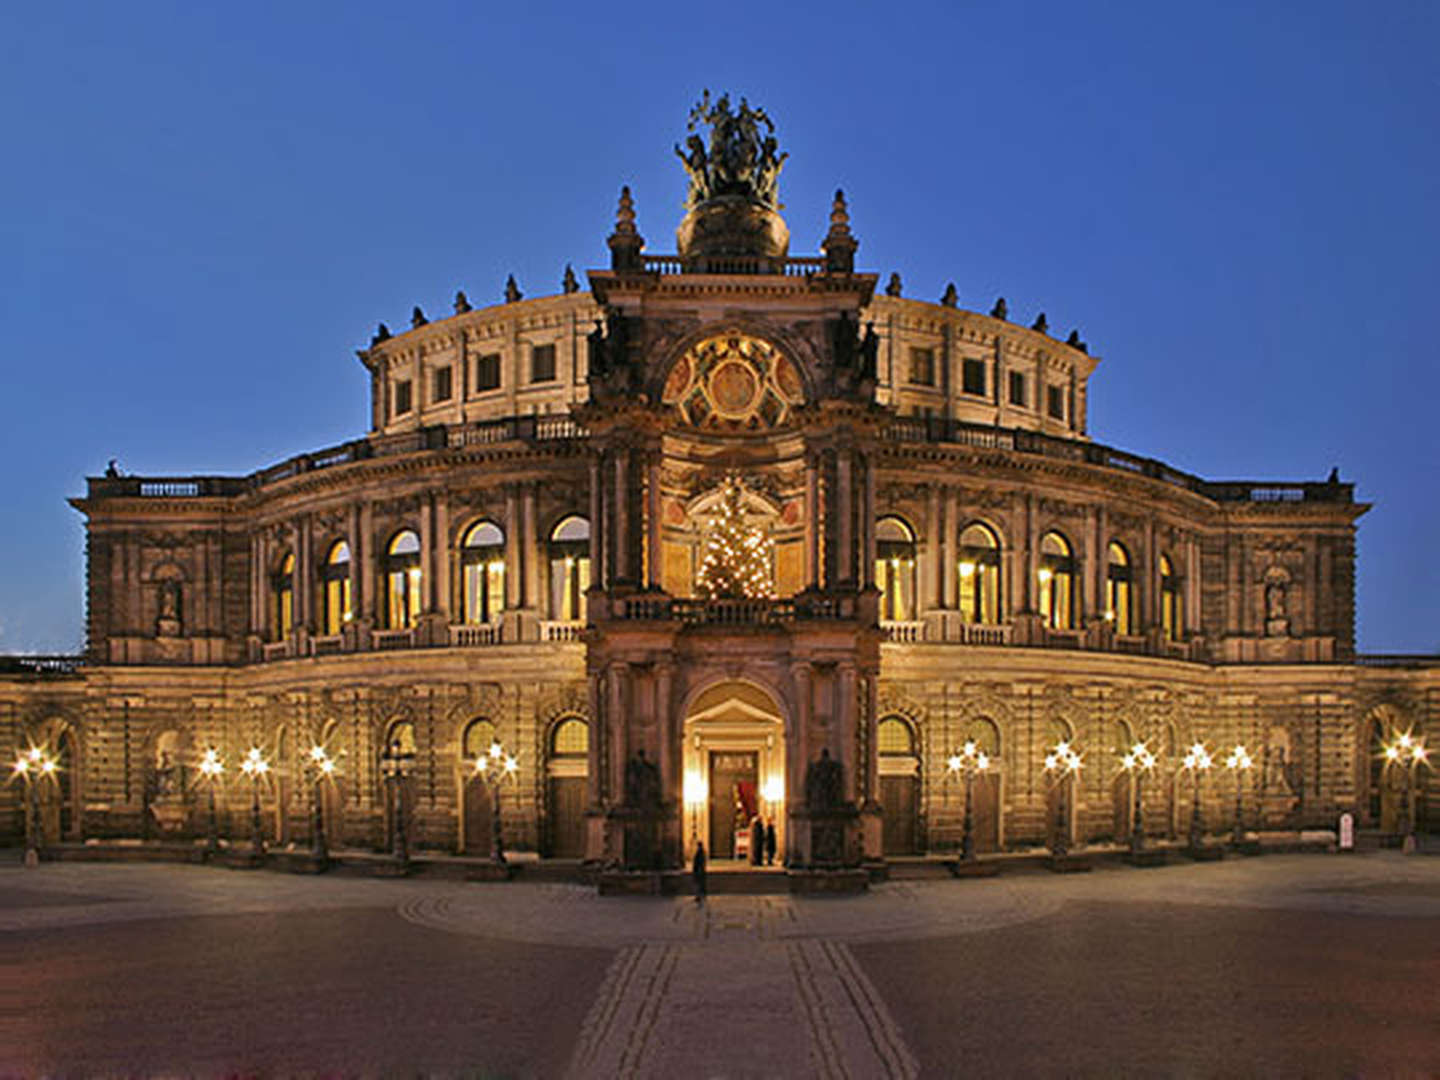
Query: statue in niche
824	787
642	783
168	622
1277	619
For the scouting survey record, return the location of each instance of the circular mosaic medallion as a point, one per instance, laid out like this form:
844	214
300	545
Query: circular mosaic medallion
733	382
732	388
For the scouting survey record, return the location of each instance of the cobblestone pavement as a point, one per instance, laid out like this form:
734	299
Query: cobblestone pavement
1284	965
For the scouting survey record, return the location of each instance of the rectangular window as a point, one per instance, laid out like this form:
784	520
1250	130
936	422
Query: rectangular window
1055	401
442	388
542	363
402	397
487	372
973	377
922	367
1017	388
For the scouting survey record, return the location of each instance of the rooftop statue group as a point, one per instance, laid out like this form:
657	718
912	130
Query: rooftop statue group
740	158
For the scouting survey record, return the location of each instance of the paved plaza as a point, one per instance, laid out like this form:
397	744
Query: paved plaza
1307	965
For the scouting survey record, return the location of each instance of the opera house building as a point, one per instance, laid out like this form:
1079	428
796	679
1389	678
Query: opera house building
709	536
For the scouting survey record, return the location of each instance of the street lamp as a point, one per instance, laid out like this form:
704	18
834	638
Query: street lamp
1137	762
396	764
970	761
255	767
1197	760
1410	753
324	766
32	766
1239	762
1065	763
211	766
493	768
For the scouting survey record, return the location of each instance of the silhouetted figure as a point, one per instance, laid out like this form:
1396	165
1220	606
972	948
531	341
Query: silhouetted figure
770	842
1042	324
757	841
1333	478
417	317
1000	310
111	470
697	872
462	302
512	291
892	287
951	297
569	283
382	333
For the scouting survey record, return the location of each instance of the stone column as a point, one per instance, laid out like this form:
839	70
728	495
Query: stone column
949	555
442	557
427	545
1192	584
367	600
845	726
357	579
621	514
296	576
668	731
652	513
512	549
1031	563
812	523
844	534
598	552
619	720
798	756
867	523
531	547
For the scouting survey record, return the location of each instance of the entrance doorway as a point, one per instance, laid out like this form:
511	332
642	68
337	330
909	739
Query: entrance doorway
734	802
734	767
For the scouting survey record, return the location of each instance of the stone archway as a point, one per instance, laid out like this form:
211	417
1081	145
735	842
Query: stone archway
734	767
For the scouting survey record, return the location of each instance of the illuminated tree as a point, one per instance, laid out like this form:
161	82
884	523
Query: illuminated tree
737	556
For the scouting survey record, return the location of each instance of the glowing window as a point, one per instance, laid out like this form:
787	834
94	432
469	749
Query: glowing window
283	590
1172	604
569	553
482	571
979	574
335	606
1057	582
893	736
402	581
895	569
1119	589
571	738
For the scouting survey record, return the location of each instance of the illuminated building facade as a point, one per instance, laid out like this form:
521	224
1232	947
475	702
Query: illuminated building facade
522	549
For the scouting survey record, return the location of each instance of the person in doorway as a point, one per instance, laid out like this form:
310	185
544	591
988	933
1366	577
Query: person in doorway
757	841
770	842
697	872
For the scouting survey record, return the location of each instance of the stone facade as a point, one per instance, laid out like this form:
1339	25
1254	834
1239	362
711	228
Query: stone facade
513	548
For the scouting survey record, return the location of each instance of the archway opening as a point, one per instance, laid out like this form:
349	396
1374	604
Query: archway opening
734	773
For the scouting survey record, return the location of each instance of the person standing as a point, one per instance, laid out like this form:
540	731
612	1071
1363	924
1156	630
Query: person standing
697	871
770	842
757	841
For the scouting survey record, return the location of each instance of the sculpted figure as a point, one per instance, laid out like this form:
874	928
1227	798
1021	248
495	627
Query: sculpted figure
823	783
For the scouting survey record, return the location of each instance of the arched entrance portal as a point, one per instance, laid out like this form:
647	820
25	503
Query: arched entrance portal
734	767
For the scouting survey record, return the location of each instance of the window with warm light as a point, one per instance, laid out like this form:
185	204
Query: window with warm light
1172	605
569	552
1119	589
570	739
979	574
335	607
283	592
479	737
893	738
895	569
402	581
482	572
1057	582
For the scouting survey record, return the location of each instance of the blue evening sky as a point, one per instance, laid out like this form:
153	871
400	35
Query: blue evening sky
205	209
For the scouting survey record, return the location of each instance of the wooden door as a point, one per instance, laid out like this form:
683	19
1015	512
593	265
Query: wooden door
897	805
986	812
567	817
477	817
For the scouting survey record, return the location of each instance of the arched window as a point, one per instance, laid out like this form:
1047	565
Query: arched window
895	569
482	566
1172	604
893	738
1119	589
1057	582
401	738
570	739
402	581
479	737
979	574
569	551
335	607
283	591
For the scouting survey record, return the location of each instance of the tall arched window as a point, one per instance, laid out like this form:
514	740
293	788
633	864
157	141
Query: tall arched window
482	566
1119	589
1057	582
283	591
569	551
571	739
402	581
979	574
895	569
479	737
1172	604
335	607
